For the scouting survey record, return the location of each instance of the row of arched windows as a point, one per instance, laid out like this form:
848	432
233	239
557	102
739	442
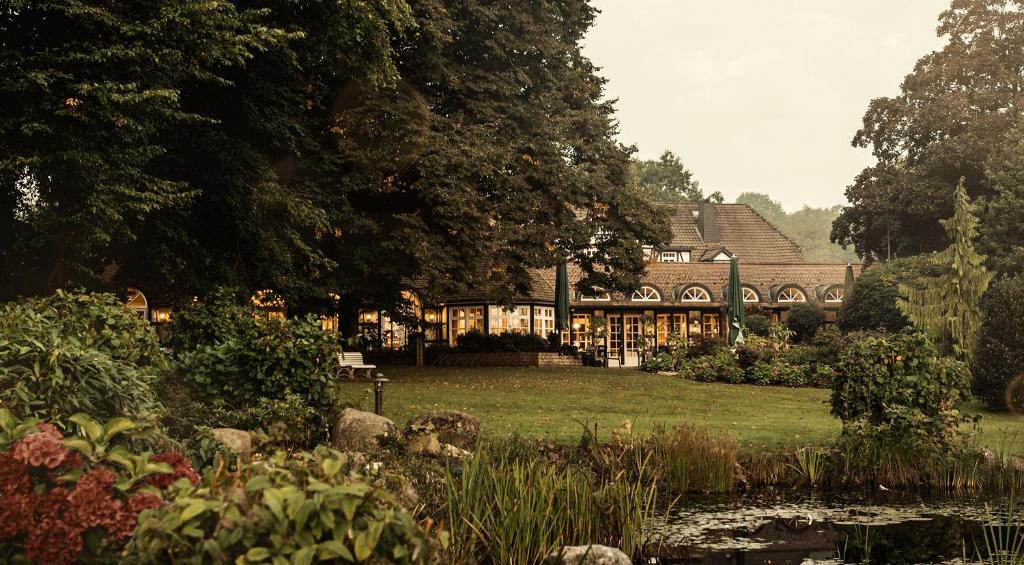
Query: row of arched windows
697	293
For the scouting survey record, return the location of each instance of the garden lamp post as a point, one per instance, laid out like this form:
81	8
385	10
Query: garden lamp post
378	394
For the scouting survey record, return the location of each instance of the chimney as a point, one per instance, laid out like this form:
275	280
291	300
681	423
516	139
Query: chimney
707	222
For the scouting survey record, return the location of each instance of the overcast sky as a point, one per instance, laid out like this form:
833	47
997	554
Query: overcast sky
758	95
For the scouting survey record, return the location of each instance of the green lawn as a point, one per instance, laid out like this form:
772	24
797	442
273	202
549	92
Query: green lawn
548	402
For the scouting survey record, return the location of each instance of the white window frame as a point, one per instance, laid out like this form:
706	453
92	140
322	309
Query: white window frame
646	294
462	320
669	256
516	320
792	295
750	296
603	297
543	320
835	295
695	293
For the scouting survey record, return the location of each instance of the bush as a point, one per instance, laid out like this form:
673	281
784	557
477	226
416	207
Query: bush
758	324
660	362
721	366
1000	356
76	499
872	304
899	387
700	346
776	373
301	508
476	342
250	357
804	321
750	352
71	353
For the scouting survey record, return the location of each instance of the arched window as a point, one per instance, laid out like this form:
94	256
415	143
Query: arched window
835	294
750	295
694	294
137	303
792	294
599	296
646	294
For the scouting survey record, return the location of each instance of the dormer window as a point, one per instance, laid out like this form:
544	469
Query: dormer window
669	257
834	294
646	294
598	297
694	294
792	294
750	295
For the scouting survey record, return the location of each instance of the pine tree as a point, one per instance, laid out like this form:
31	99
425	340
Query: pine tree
947	307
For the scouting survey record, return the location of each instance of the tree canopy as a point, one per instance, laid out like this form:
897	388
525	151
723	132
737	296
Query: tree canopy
953	111
667	180
808	227
313	148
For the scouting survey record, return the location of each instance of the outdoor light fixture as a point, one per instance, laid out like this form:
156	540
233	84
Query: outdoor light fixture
378	394
161	315
431	317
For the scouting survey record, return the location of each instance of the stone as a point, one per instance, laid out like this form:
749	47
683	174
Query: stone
587	555
355	430
452	452
238	441
452	427
425	444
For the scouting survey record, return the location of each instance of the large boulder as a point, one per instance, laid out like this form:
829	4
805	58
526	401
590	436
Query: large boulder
355	430
237	441
587	555
452	427
424	444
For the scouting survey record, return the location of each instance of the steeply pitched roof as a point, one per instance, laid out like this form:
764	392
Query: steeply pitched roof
741	231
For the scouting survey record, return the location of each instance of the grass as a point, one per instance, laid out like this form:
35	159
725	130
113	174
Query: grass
549	403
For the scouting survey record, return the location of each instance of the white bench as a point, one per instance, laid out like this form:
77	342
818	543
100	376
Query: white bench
349	362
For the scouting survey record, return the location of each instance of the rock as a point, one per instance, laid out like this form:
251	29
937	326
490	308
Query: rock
587	555
452	452
456	428
424	444
237	441
355	430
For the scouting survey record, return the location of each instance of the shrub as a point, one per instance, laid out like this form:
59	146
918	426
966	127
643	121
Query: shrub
872	304
288	422
76	499
660	362
476	342
751	352
758	324
898	386
776	373
259	358
804	320
301	508
71	353
1000	357
721	366
699	345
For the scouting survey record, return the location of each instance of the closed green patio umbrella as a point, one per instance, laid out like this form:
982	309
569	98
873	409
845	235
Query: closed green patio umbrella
562	297
848	283
737	315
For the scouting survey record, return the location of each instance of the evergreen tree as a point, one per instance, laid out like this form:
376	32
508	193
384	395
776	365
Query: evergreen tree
947	306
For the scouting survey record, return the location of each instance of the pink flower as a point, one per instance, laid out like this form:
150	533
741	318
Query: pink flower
41	449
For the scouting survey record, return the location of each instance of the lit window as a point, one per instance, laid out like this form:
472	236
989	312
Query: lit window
137	303
516	320
581	336
669	257
599	297
792	294
466	319
750	295
834	294
694	294
543	320
646	294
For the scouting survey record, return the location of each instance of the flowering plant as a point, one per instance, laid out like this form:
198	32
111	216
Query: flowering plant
78	498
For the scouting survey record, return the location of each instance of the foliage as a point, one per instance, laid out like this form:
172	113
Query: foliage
872	304
778	373
809	227
1002	234
749	353
71	353
666	179
694	461
758	324
779	336
804	320
477	342
660	362
1000	357
947	307
239	357
76	499
507	509
719	366
301	508
897	386
289	422
700	345
952	113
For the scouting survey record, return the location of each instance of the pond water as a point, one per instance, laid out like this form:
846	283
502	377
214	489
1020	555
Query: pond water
783	530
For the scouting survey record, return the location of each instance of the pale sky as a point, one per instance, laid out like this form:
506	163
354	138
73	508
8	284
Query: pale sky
758	95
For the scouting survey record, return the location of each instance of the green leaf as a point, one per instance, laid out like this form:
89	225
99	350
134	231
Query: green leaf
192	510
304	556
334	549
257	554
89	427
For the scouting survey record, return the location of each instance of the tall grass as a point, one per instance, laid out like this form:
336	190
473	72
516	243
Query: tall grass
811	463
507	509
1004	542
692	460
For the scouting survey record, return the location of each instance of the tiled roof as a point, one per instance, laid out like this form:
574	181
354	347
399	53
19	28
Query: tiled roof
742	231
766	279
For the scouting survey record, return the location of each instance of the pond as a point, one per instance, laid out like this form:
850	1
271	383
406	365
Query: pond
787	530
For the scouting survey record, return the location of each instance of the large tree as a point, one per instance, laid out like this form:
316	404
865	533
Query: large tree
666	179
371	144
952	111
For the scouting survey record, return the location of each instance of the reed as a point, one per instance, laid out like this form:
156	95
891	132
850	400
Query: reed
505	509
692	460
1004	540
811	463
